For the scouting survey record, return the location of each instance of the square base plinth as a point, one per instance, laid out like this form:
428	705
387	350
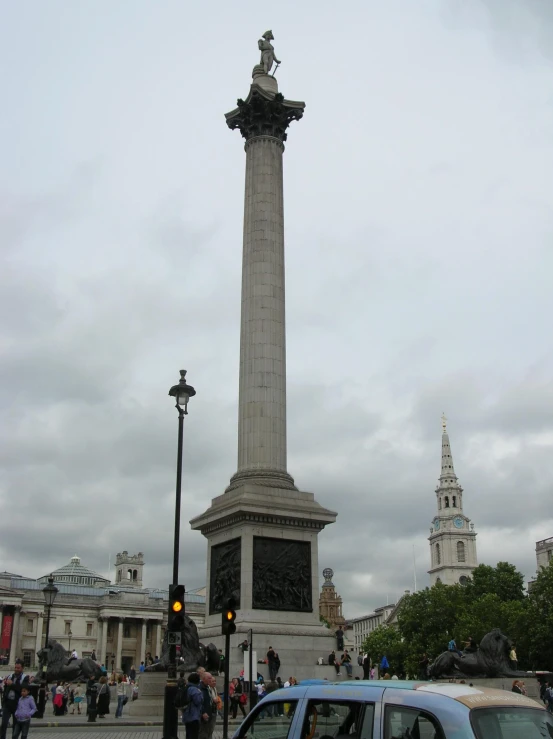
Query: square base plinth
277	596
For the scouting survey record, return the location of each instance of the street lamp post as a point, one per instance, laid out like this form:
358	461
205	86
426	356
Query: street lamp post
182	392
70	634
50	591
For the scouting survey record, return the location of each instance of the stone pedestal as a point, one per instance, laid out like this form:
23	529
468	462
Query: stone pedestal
262	533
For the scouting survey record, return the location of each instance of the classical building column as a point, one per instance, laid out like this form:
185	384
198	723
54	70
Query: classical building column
15	635
263	120
38	643
102	656
158	638
119	643
1	618
143	640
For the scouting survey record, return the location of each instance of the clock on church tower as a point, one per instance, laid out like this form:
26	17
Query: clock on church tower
452	536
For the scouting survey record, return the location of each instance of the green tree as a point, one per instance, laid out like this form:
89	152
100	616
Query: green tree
504	580
540	620
386	641
427	620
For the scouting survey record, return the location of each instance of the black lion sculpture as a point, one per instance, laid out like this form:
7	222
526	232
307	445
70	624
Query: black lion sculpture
60	667
491	659
192	653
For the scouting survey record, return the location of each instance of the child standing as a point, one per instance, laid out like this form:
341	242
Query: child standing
26	707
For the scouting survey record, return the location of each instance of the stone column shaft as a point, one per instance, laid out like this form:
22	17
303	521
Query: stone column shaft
262	120
104	644
158	638
38	643
15	635
143	642
262	393
119	644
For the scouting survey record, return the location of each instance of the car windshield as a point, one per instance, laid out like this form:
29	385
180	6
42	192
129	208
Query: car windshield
511	723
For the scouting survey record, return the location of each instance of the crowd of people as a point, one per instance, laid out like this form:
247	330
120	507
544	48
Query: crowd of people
65	697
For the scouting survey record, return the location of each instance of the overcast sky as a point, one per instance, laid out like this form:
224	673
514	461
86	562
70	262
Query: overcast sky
419	258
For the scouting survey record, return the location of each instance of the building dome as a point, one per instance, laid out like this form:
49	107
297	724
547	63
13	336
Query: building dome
74	573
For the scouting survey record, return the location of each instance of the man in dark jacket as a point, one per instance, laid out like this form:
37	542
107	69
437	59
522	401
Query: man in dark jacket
209	706
12	693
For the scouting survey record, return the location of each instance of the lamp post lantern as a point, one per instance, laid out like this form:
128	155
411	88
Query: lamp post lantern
182	392
50	591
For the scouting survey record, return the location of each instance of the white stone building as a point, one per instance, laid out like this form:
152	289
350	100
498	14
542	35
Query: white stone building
544	552
121	622
363	625
452	536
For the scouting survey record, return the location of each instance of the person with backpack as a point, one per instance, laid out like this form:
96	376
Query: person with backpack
189	700
12	693
452	647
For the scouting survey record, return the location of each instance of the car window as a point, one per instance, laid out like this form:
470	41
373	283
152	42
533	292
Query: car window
506	723
272	722
410	723
338	720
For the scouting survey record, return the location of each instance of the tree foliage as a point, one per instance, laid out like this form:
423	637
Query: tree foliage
492	598
386	641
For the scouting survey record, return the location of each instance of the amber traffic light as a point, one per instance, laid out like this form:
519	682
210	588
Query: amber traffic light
176	608
229	618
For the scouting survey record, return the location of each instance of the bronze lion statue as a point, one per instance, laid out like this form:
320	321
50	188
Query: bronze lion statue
193	654
491	659
60	667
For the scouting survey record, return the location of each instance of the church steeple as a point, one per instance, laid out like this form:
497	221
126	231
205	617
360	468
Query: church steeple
452	537
449	493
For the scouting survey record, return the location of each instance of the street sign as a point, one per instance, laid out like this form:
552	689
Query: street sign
174	637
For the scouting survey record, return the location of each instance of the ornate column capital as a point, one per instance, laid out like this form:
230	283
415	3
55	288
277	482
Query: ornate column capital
264	114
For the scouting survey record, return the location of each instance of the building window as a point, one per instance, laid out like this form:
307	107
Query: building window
135	575
129	574
549	553
460	551
446	501
439	504
89	629
463	580
126	631
30	625
454	504
67	627
118	575
438	555
28	658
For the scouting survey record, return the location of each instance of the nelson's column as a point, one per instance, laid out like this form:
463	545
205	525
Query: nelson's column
262	532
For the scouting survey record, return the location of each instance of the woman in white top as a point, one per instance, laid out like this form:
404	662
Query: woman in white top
120	697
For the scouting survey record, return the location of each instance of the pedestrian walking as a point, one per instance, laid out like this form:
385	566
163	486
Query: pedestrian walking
192	711
366	667
13	686
237	697
103	697
209	706
77	698
121	697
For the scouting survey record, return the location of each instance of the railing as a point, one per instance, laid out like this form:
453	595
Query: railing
544	542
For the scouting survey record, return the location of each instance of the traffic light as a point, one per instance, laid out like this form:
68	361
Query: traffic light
229	617
175	622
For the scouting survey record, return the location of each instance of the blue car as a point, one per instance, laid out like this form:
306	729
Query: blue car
372	709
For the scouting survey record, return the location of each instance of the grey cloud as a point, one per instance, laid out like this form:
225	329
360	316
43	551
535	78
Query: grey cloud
418	278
